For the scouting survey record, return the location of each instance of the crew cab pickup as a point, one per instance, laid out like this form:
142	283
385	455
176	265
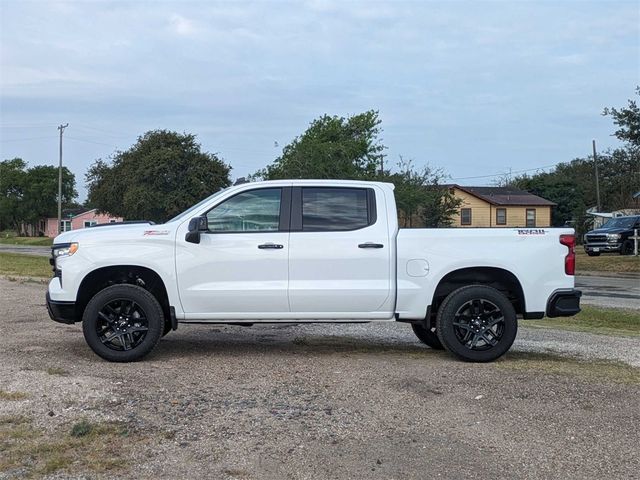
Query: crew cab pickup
615	236
308	251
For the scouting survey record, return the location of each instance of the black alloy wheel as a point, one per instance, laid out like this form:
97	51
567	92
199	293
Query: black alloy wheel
123	323
477	323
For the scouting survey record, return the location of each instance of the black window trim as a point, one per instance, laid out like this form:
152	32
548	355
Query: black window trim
462	222
296	208
526	217
505	216
284	215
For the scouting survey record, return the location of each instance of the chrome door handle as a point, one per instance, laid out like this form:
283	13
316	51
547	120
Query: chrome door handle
371	245
272	246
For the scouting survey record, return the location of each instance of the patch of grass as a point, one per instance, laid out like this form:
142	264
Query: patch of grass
32	241
604	321
85	448
548	363
13	420
55	463
607	262
24	265
4	395
81	429
56	371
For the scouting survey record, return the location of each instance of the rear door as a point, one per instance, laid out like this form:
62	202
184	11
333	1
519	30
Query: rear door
339	253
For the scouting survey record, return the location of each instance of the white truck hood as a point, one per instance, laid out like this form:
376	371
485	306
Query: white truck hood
114	233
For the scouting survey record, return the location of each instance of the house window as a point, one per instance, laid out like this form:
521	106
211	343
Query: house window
531	217
465	216
90	223
501	216
65	225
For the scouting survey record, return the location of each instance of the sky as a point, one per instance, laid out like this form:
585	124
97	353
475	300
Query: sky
476	88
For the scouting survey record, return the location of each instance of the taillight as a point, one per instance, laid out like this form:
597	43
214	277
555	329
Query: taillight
570	260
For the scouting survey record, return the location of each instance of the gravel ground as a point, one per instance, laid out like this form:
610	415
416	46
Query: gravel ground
326	401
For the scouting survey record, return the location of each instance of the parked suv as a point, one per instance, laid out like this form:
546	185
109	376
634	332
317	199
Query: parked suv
614	236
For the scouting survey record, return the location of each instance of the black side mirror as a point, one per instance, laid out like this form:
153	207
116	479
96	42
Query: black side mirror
196	226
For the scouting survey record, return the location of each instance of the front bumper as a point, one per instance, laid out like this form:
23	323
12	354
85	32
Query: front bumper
564	303
602	247
62	312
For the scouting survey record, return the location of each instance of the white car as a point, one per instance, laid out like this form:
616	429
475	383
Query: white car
308	251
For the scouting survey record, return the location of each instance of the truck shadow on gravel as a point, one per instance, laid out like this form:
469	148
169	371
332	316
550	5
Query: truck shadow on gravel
233	345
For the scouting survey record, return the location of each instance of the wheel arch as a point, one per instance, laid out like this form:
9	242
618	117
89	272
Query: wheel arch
103	277
498	278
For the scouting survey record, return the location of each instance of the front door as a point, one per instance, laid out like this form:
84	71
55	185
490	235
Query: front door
339	254
239	268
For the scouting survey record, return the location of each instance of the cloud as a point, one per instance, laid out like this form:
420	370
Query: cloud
182	26
572	59
452	80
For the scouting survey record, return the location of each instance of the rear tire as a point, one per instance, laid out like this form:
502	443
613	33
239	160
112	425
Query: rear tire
427	337
477	323
123	323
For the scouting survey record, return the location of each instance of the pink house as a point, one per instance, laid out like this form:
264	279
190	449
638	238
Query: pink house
75	222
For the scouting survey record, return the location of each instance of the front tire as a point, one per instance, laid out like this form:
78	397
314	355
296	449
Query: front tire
477	323
626	248
427	337
123	323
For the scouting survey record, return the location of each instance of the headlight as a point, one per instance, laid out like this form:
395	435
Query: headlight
613	236
65	250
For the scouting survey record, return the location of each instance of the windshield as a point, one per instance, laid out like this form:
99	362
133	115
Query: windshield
622	222
196	206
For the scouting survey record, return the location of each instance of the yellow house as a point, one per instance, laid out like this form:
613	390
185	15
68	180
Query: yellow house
500	207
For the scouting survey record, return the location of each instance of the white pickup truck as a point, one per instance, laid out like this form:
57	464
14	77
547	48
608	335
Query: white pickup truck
308	251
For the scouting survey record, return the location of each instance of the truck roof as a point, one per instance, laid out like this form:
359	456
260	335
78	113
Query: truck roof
328	182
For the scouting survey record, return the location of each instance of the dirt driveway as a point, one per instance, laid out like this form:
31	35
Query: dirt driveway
314	401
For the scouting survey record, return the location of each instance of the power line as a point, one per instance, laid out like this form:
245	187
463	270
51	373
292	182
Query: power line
25	139
91	141
508	173
108	132
26	125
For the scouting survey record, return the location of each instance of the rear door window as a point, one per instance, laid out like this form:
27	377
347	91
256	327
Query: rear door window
327	209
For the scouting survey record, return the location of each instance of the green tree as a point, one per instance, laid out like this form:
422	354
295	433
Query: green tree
567	194
29	194
572	185
12	184
41	192
628	121
332	147
161	175
421	199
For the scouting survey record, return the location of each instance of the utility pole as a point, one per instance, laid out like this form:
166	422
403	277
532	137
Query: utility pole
595	162
61	128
